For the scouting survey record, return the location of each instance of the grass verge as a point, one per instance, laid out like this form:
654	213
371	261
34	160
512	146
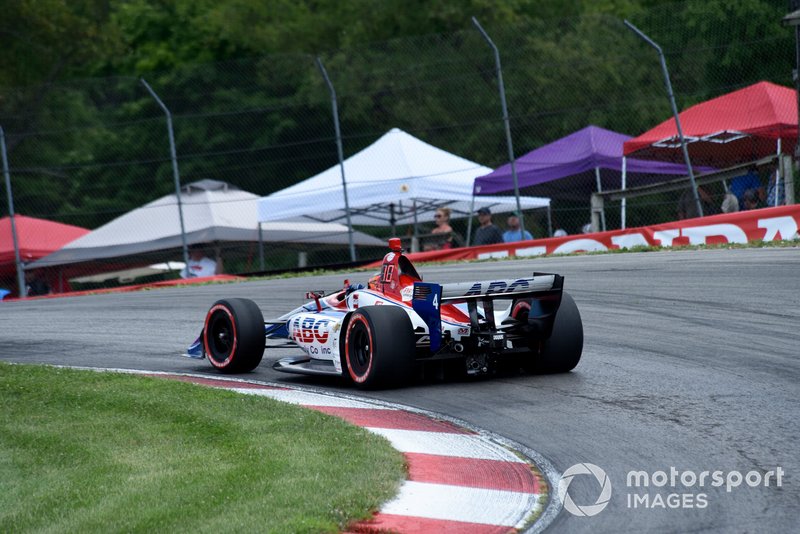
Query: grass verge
82	451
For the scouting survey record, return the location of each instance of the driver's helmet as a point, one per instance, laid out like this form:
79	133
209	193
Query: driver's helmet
374	281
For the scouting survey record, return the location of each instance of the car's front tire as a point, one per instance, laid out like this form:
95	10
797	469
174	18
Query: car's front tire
234	336
379	347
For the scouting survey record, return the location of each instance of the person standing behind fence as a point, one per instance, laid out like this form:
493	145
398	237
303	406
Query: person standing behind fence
730	204
487	233
687	207
745	182
514	232
443	232
751	201
774	189
36	284
201	265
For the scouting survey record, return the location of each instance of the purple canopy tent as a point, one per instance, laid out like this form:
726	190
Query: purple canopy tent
592	156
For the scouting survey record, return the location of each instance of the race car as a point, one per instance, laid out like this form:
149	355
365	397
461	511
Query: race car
382	334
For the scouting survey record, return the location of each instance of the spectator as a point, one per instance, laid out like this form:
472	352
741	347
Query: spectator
730	204
514	232
749	180
36	284
560	232
487	233
751	200
687	207
201	265
775	188
443	232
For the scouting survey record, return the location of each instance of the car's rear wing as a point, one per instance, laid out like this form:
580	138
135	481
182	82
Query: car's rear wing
501	289
427	298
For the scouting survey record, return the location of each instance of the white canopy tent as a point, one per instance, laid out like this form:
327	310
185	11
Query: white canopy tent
398	179
212	211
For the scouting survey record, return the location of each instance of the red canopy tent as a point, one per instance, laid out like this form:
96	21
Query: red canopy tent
737	127
36	238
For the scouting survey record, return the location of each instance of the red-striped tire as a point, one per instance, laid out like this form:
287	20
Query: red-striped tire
379	347
560	352
233	335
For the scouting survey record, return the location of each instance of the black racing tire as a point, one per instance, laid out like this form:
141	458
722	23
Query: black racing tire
561	352
234	336
378	347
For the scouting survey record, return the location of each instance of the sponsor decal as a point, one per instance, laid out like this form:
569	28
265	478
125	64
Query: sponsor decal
498	286
407	293
767	224
309	330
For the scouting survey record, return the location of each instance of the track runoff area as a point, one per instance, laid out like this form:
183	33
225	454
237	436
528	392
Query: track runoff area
460	478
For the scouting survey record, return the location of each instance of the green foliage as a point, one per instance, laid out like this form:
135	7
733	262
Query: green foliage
45	40
251	108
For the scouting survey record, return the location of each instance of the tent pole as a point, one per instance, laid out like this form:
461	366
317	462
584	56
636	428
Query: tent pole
671	95
501	88
416	220
261	248
778	174
341	156
469	219
23	291
175	174
600	190
392	219
549	221
624	206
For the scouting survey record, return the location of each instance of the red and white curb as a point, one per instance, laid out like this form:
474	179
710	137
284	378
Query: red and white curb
460	479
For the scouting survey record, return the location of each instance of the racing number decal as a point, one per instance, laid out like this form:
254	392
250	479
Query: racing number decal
436	301
388	272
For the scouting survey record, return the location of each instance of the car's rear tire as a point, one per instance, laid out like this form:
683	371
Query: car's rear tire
379	347
560	352
233	335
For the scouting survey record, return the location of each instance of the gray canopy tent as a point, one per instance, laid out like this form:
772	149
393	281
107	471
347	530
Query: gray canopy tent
213	212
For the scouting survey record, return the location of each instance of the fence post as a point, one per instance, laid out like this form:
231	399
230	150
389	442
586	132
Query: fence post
506	120
341	156
598	205
788	179
175	174
261	263
23	291
671	95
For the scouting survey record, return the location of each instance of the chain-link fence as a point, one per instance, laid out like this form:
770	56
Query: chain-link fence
91	153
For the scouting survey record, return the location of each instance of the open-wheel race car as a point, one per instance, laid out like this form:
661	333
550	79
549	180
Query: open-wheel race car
382	334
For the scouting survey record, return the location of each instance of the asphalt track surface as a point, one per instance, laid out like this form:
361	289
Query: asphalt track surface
691	360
